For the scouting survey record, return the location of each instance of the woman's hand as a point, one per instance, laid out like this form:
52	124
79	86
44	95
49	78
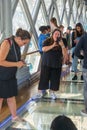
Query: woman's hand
55	44
20	64
47	48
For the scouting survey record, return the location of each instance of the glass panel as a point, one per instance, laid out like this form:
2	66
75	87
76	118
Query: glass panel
70	102
74	10
40	20
33	62
71	22
11	1
0	36
31	4
47	3
1	23
32	45
77	20
67	7
0	19
60	7
19	20
64	22
54	14
39	117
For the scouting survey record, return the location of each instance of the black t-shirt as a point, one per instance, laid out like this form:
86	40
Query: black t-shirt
53	57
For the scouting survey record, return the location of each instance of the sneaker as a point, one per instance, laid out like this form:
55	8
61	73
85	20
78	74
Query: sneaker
72	70
44	92
81	77
64	66
37	96
75	77
18	119
53	96
84	112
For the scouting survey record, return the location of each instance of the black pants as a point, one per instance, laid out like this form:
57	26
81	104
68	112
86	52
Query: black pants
49	78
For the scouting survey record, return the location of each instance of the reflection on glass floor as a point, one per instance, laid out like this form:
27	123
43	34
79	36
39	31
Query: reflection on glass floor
39	113
69	78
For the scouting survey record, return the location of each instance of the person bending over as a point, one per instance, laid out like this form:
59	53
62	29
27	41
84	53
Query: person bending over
10	60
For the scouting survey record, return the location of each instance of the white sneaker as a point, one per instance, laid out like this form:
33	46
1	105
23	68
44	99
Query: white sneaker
37	96
53	95
64	66
18	119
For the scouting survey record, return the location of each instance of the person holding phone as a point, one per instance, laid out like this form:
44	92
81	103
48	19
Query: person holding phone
10	60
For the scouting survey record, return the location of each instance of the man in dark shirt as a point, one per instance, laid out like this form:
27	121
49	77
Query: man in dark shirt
82	46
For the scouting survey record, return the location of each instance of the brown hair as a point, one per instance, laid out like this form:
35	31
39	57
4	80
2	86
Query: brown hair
61	26
23	34
54	21
50	40
81	31
58	31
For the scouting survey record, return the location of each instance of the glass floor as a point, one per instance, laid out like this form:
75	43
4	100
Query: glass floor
40	113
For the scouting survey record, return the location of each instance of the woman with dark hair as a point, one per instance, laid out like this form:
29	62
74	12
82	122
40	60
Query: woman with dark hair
42	37
62	122
10	60
53	52
48	30
79	31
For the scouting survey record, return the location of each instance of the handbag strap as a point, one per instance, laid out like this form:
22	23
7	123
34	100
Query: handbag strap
12	43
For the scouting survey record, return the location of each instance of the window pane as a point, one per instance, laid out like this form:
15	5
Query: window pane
33	62
60	7
67	8
31	4
40	20
19	19
47	3
32	45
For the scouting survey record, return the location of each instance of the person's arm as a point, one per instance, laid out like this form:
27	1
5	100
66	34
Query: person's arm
48	48
65	42
64	51
4	50
73	38
63	47
40	43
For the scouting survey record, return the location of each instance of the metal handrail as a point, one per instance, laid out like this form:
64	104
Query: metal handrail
30	53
